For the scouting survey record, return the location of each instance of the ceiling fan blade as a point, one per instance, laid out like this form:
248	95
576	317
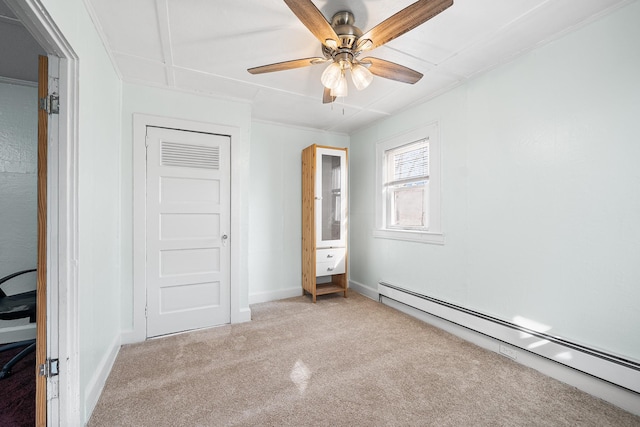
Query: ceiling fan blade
405	20
326	96
286	65
391	70
313	19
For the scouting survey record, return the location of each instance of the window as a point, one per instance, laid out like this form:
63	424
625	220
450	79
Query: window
408	187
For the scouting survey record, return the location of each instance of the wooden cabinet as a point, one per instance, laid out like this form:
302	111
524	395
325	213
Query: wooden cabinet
324	220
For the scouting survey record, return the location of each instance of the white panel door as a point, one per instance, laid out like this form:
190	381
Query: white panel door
187	228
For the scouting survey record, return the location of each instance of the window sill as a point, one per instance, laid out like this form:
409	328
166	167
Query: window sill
410	236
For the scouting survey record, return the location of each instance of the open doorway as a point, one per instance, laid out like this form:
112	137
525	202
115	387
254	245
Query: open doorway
18	219
57	399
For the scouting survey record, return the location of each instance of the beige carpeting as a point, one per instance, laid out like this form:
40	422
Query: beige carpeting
339	362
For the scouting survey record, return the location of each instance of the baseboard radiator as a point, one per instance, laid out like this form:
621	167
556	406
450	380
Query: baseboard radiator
611	368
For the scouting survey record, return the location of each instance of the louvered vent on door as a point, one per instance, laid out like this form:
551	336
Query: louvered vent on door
190	156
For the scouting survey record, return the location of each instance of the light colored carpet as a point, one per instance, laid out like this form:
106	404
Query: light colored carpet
339	362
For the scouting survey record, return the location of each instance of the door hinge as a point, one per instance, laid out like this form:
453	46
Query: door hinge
51	104
146	311
50	368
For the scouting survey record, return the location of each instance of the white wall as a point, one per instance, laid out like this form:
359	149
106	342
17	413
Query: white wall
99	250
540	191
275	218
18	189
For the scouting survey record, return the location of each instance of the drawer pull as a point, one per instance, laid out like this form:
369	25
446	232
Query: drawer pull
329	268
329	256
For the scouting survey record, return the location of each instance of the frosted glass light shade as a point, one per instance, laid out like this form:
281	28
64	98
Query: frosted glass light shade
341	88
331	76
361	76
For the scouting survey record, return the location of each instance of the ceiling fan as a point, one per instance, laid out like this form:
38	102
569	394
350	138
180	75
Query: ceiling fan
343	43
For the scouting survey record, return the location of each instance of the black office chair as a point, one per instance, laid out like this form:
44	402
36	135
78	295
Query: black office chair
13	307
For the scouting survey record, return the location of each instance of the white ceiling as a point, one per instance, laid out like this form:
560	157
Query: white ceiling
206	46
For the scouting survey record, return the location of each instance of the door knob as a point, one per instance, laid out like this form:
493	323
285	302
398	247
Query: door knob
224	239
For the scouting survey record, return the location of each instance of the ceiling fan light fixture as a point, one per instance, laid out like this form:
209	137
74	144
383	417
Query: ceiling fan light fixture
361	76
341	88
344	64
331	75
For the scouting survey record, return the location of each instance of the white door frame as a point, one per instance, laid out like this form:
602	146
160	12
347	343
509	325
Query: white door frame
63	398
239	311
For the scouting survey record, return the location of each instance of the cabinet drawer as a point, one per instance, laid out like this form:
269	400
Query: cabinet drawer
330	261
331	254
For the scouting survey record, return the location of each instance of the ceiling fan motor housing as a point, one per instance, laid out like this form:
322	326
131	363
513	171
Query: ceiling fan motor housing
342	23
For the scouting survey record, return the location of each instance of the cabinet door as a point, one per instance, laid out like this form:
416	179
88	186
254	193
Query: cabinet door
331	197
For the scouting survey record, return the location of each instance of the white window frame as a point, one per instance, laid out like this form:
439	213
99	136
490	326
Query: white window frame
433	232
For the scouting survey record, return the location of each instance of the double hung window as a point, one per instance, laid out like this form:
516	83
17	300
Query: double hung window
408	187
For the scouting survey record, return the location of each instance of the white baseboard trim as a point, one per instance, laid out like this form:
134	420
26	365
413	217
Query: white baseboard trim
131	336
97	382
363	290
244	315
259	297
17	333
521	348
